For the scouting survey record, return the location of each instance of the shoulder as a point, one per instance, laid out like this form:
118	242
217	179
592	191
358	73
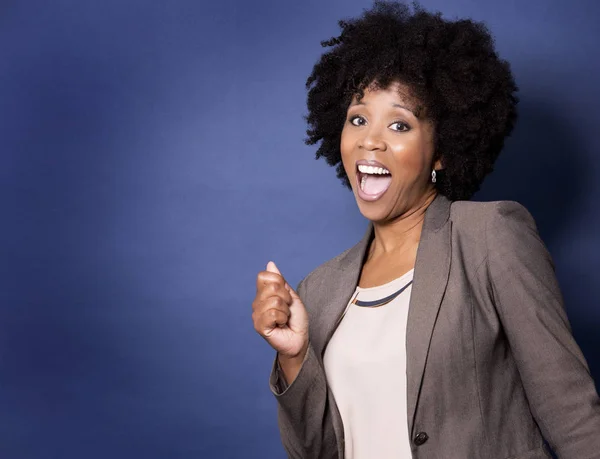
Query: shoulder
495	230
505	231
484	215
488	225
337	269
495	222
324	270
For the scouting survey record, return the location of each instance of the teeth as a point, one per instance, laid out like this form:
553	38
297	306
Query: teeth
372	170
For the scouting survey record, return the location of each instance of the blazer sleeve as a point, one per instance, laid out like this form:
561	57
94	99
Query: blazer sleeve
303	414
555	375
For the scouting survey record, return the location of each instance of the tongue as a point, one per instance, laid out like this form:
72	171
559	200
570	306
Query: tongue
375	184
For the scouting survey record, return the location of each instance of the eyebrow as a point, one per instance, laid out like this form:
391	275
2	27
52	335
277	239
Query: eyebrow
393	105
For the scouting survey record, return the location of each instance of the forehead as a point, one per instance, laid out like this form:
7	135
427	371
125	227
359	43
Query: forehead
395	93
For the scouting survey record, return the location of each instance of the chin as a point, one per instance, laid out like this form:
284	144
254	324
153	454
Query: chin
373	212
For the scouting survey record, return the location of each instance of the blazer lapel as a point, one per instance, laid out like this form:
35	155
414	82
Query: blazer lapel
339	286
432	269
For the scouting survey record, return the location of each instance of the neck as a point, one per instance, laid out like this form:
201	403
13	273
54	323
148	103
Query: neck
402	233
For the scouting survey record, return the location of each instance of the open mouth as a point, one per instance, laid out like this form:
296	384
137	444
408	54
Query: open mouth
373	181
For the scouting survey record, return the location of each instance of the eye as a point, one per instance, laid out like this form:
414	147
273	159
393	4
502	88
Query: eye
357	120
400	126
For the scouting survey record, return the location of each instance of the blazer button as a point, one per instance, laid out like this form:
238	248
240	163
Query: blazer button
421	438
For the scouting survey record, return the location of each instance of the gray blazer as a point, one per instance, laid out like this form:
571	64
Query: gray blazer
491	361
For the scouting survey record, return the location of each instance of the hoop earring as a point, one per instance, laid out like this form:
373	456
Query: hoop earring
433	176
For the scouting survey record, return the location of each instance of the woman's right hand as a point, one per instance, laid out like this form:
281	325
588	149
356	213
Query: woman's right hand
280	316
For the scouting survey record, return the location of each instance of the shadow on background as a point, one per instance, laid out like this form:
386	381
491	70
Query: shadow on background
543	168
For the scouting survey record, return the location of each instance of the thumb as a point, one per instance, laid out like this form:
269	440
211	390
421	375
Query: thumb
272	268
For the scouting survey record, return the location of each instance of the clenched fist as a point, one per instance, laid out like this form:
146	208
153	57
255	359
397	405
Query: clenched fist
279	315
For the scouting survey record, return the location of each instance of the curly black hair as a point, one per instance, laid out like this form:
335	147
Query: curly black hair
451	68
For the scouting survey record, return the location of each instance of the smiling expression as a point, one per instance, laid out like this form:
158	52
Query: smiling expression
383	130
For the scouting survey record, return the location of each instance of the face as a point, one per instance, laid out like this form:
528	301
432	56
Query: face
382	131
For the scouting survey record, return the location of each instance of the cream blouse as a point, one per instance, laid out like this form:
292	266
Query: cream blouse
365	365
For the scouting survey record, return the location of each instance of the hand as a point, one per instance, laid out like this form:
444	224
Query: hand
279	315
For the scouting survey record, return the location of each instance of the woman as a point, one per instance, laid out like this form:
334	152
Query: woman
442	333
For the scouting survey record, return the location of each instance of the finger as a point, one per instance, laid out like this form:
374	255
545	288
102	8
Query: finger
293	294
266	277
272	268
273	302
278	291
268	286
271	319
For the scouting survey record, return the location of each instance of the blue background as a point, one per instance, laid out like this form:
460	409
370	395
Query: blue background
152	162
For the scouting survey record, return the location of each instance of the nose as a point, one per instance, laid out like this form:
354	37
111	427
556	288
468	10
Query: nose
372	140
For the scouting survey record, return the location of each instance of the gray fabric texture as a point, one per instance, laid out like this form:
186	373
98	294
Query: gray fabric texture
491	361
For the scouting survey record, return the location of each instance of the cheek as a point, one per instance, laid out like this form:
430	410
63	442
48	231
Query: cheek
346	149
411	160
346	143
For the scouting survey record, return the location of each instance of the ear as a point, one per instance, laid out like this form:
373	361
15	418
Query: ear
438	165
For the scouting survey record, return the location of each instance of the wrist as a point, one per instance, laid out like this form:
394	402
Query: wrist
294	358
290	365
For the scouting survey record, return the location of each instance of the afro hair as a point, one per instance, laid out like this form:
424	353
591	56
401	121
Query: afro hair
450	67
